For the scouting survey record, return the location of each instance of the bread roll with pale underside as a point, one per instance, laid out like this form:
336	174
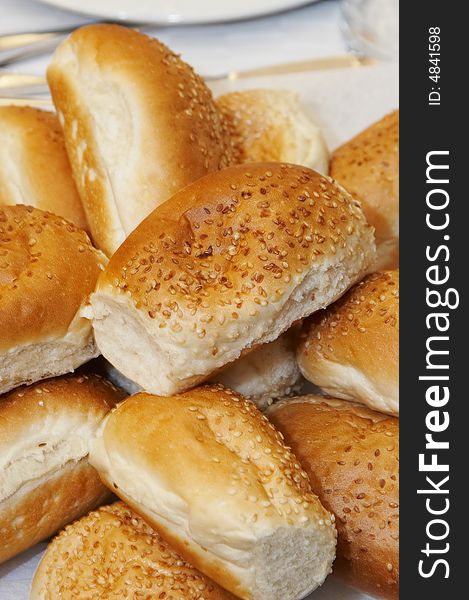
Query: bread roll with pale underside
45	478
368	167
272	125
351	455
226	264
213	476
34	166
139	125
351	350
134	562
48	268
268	372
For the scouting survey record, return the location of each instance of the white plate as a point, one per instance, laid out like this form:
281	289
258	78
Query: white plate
170	12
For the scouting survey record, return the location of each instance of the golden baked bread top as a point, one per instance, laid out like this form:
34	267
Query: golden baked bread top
47	269
113	553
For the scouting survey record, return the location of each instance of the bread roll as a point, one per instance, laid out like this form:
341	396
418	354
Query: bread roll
351	455
226	264
214	478
34	167
134	562
48	267
139	125
351	350
268	372
45	478
272	125
368	167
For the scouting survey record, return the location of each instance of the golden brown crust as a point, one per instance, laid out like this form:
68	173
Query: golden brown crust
210	458
43	176
134	562
236	232
352	347
28	519
351	455
172	125
42	486
271	125
214	268
368	167
47	269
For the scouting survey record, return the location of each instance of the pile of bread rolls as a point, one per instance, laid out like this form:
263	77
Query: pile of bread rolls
224	268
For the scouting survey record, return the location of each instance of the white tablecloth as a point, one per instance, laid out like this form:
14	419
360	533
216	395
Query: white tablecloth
299	34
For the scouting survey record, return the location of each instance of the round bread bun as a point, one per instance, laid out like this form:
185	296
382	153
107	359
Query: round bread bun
34	166
351	350
48	268
215	479
228	263
368	167
139	125
268	372
351	455
46	480
114	553
272	125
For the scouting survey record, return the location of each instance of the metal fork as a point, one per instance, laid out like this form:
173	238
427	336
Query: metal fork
21	46
32	87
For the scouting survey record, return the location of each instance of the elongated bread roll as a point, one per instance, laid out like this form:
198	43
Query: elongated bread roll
213	476
34	166
272	125
139	125
351	350
48	268
45	478
351	455
226	264
368	167
134	562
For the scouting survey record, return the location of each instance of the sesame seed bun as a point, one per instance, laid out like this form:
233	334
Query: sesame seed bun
114	553
226	264
351	455
34	167
272	125
351	350
215	479
368	167
139	125
47	269
45	478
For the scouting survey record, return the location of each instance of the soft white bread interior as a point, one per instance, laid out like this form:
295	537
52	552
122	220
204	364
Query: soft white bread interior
34	166
134	562
48	268
272	125
45	478
351	454
368	167
226	264
351	350
139	125
268	372
215	479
